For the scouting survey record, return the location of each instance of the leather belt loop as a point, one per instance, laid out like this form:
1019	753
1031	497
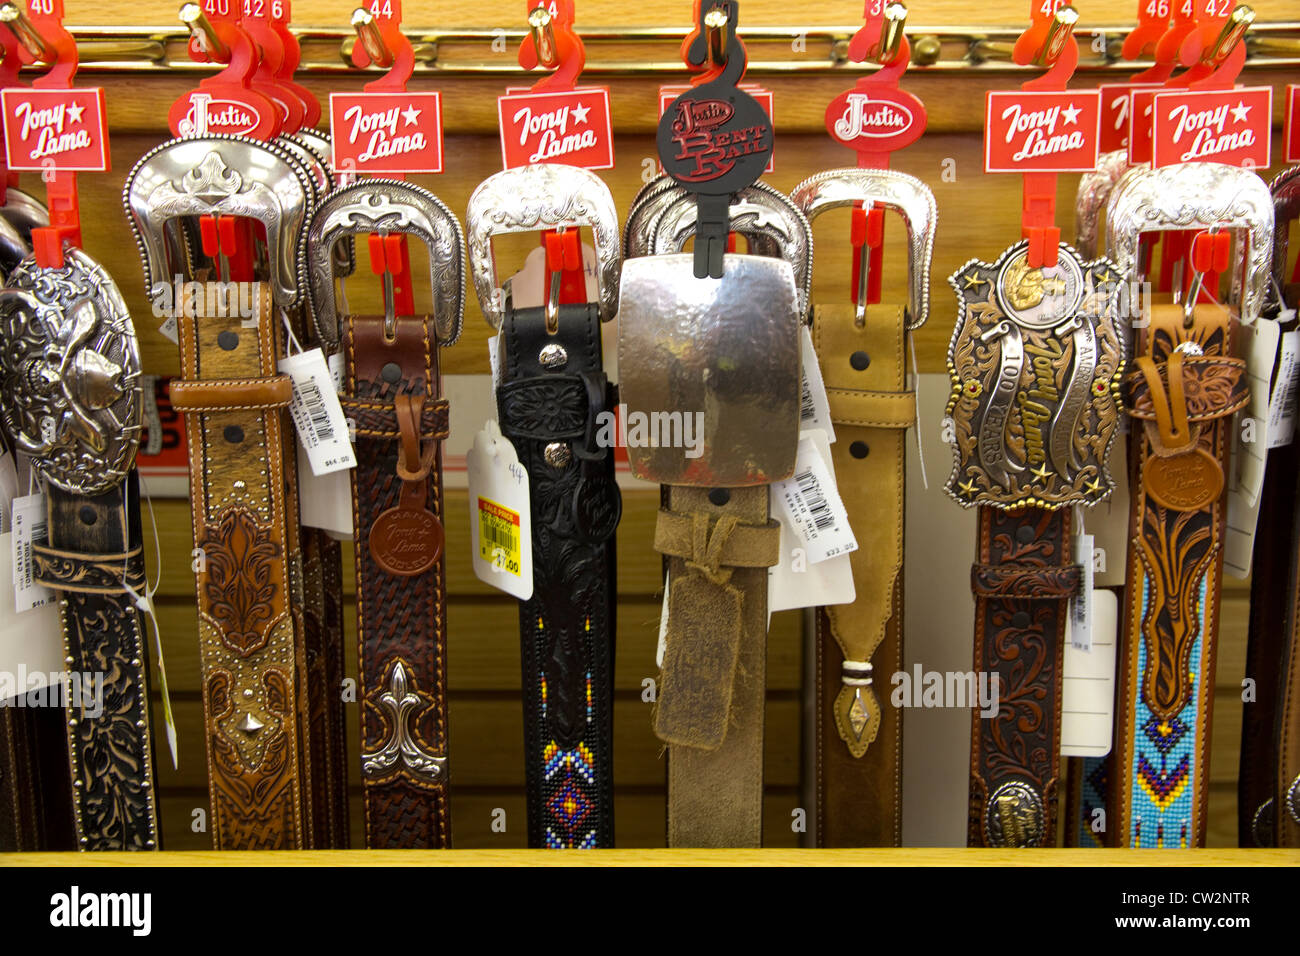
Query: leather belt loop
1170	410
414	463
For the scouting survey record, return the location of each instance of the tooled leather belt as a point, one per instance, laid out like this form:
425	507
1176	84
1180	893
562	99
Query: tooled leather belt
1034	363
249	580
391	393
552	391
1187	385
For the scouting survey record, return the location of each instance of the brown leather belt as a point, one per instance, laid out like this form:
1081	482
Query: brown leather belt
1182	397
391	393
859	741
35	787
249	575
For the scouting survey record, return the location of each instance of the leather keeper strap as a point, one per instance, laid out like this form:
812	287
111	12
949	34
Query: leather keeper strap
552	389
711	690
859	644
1159	774
228	395
397	511
1022	589
110	746
242	462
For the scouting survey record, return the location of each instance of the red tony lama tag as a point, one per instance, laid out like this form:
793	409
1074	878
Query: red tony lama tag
1213	126
60	130
387	132
875	121
570	127
1291	125
1116	102
1047	132
670	92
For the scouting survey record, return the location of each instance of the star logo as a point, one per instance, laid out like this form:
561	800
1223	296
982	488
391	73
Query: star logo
972	280
580	113
74	112
967	487
1240	112
411	115
1093	486
1071	114
1041	472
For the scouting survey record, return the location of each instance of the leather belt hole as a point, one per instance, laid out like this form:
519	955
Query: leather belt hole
391	372
859	449
860	360
87	515
1024	534
233	434
1020	620
229	341
719	496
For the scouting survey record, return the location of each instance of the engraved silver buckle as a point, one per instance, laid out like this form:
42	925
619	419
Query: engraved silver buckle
1090	198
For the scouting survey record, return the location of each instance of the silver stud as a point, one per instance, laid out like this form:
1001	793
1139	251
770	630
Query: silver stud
250	725
239	485
248	693
553	356
557	454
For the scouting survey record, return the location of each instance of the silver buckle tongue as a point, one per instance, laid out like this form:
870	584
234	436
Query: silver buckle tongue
227	176
533	198
718	353
1196	196
386	207
72	366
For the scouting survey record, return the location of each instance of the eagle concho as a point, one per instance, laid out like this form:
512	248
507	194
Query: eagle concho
1035	364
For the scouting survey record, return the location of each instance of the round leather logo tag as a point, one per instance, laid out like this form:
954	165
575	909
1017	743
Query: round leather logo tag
1187	482
406	541
597	507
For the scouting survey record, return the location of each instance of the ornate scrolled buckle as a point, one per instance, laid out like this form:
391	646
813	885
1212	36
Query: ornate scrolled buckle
1285	189
538	197
1035	363
387	207
24	212
1090	199
906	195
71	373
222	176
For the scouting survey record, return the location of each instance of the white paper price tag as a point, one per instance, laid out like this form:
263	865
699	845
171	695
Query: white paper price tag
324	501
170	331
8	488
1250	450
31	646
813	505
28	525
1281	405
1088	685
814	408
1081	603
500	521
317	414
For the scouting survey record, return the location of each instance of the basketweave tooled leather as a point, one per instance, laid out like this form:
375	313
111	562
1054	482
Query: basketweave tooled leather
1159	781
859	738
248	580
548	408
401	617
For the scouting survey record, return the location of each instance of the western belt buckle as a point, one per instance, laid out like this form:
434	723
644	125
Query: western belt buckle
726	349
1285	188
905	194
387	207
221	176
539	197
19	215
1090	199
1035	363
71	373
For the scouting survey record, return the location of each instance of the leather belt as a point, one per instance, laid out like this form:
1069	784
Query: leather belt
1186	388
391	394
249	582
1286	786
552	390
35	787
859	742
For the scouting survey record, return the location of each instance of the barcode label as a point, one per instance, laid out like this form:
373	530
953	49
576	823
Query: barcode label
499	514
1282	404
316	413
806	407
814	408
28	526
813	506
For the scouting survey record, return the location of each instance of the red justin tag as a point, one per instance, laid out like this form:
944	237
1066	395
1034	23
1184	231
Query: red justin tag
671	91
387	132
572	127
1291	125
200	114
62	130
875	121
1213	126
1116	102
1046	132
1140	110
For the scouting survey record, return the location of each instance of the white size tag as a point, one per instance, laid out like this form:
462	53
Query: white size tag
29	519
1281	404
814	408
794	581
812	503
317	414
500	519
336	367
8	488
324	501
1081	603
1088	685
170	330
1250	449
31	646
662	645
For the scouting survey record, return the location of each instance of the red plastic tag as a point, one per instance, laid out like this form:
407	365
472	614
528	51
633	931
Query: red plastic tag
1140	110
201	114
1041	131
60	130
1116	102
572	127
875	121
1213	126
387	132
1291	125
671	91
